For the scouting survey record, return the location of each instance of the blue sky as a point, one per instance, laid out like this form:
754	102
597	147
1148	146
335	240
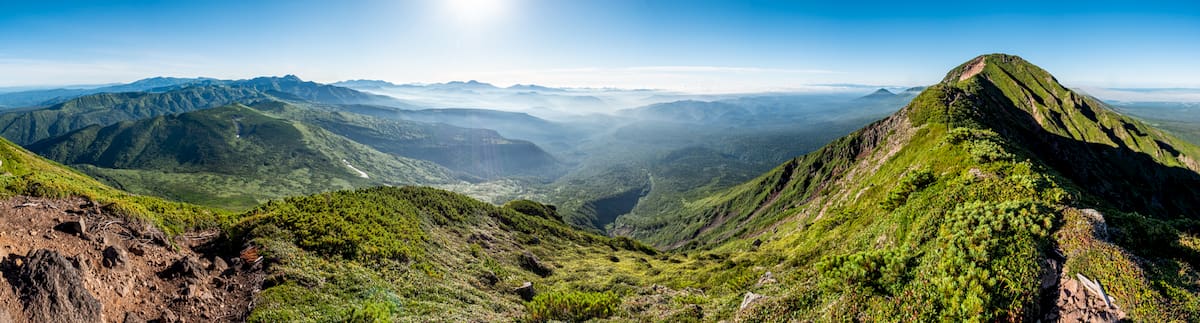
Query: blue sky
687	45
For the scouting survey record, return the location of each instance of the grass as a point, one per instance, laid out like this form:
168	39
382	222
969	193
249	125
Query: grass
27	174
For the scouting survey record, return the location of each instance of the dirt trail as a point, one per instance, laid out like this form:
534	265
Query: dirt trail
127	266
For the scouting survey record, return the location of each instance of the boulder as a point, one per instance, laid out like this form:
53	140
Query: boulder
137	249
131	317
75	228
766	279
750	299
53	290
219	265
114	257
526	291
185	267
489	278
531	263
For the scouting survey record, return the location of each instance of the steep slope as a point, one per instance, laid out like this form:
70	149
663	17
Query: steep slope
428	255
77	250
27	126
974	202
231	156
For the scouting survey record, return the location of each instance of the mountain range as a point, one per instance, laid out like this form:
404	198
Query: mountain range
996	194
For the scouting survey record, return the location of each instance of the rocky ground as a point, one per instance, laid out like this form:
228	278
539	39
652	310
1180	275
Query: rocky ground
69	260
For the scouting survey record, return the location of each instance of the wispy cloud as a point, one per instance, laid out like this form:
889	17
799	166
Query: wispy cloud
1145	94
690	78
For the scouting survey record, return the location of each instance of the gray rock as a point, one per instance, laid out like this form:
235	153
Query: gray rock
766	279
530	262
131	317
185	267
526	291
72	227
219	265
750	299
488	277
53	290
114	257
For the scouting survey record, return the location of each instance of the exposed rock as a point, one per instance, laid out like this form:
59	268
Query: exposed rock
219	265
756	243
489	278
691	310
137	249
1077	303
614	258
482	239
75	228
185	267
1099	226
193	292
168	317
531	263
526	291
750	299
767	278
114	257
53	290
131	317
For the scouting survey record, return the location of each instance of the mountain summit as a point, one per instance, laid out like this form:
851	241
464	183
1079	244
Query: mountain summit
985	198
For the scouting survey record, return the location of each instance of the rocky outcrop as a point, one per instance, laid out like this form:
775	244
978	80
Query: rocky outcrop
750	299
526	291
531	263
52	290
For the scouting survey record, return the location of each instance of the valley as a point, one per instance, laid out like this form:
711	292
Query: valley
987	196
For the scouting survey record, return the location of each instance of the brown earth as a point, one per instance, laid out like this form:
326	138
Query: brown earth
130	267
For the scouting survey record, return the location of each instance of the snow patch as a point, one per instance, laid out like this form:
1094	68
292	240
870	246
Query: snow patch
360	173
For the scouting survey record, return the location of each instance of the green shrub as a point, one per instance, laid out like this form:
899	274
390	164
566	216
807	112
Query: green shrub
988	251
912	182
572	306
535	209
988	151
363	224
371	312
878	270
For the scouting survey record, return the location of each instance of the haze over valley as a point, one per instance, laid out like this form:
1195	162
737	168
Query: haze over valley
536	161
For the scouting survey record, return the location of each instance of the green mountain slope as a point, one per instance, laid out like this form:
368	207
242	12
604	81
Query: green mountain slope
231	156
480	154
27	126
290	86
54	96
23	173
973	202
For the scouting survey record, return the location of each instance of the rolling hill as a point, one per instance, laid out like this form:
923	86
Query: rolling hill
232	156
994	195
27	125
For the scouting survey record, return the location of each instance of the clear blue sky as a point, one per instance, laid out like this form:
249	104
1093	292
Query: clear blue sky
702	45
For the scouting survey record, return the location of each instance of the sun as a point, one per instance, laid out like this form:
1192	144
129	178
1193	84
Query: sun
475	12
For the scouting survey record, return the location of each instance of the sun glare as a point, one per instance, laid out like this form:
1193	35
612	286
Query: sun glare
474	12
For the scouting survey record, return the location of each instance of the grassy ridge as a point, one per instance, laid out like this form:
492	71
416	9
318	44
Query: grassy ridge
944	210
27	174
205	156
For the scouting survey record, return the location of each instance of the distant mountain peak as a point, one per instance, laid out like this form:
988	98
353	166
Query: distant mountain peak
879	94
365	83
291	77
